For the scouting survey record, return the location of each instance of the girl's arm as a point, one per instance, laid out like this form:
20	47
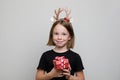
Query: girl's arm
79	76
41	75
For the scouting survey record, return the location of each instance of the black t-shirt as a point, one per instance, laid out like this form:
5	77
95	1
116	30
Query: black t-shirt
46	61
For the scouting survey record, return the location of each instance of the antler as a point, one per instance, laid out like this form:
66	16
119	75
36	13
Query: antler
67	11
57	13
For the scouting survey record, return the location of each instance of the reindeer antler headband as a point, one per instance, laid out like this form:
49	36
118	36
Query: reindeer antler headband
57	13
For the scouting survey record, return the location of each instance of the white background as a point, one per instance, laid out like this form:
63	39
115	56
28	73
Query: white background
24	31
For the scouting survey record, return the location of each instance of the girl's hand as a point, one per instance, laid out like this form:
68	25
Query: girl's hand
56	73
67	72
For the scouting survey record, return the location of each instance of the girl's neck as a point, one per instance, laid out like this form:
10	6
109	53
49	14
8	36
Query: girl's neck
60	50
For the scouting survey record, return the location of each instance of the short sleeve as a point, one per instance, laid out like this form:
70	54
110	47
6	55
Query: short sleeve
78	63
42	63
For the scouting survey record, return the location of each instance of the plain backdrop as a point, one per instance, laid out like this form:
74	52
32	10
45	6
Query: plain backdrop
24	31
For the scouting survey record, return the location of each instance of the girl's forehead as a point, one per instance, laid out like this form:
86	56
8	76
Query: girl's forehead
59	28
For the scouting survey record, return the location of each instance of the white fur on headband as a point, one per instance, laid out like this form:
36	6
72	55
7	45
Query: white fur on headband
53	20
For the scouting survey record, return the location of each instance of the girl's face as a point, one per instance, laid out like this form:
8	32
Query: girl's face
60	36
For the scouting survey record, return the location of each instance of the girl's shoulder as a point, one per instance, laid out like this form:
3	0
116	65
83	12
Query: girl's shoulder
47	52
73	52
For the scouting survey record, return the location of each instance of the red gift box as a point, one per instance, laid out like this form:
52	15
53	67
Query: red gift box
61	63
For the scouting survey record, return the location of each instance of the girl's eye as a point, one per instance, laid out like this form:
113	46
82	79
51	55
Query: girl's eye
55	33
64	34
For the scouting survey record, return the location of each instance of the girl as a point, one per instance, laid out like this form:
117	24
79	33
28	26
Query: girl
62	37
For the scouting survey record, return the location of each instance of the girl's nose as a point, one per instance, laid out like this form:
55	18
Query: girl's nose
59	37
